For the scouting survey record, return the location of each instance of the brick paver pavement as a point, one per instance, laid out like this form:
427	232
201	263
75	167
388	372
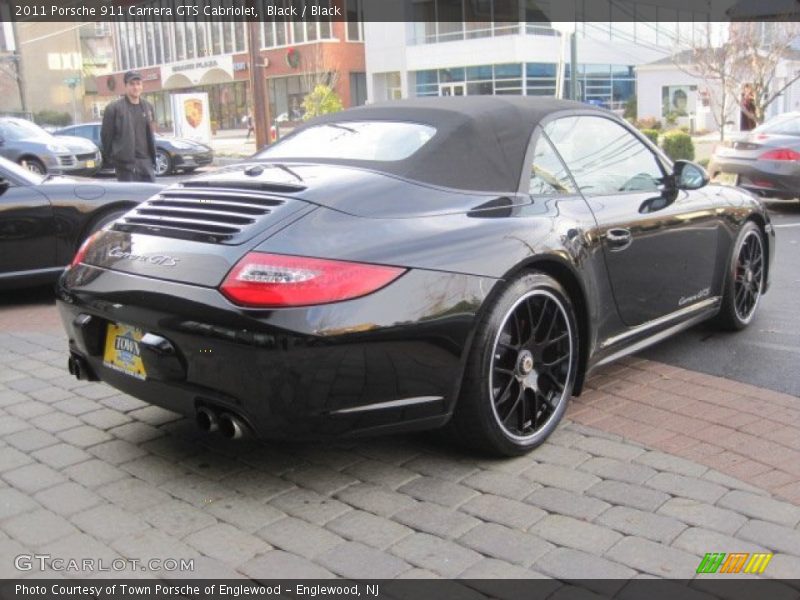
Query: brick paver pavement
654	467
741	430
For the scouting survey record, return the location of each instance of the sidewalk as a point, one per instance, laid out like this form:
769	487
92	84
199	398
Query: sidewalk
232	144
637	482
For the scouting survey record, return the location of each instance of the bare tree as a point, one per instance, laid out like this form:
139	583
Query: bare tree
759	47
747	58
317	68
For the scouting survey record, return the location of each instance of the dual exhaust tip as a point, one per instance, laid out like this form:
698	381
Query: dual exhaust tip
228	424
207	419
80	369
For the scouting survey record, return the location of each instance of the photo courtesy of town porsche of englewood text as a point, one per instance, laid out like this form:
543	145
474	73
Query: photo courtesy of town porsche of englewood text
422	298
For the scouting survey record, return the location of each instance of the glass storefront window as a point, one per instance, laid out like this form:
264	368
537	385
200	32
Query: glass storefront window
201	34
505	71
159	43
180	40
540	70
484	88
227	37
477	73
239	37
355	14
448	75
216	37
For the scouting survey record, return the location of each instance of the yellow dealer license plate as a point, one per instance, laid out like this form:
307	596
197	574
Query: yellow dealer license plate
123	351
727	178
90	164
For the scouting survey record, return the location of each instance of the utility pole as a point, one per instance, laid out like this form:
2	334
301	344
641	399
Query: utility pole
17	57
261	114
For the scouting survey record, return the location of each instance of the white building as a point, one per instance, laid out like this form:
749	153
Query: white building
669	86
410	59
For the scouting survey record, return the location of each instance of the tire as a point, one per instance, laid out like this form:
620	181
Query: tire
34	165
163	163
521	369
744	280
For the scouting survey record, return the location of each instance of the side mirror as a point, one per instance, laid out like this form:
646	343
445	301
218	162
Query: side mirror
689	176
4	185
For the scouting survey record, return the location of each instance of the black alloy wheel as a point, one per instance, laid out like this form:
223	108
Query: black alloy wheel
749	278
163	163
745	280
530	364
521	369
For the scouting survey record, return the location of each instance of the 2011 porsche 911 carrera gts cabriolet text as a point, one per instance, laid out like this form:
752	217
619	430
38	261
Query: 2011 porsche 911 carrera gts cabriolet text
458	261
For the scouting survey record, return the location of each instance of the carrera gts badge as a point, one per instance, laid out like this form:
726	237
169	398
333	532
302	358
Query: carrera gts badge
695	297
153	259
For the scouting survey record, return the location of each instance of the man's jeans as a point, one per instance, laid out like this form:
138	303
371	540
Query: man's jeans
141	170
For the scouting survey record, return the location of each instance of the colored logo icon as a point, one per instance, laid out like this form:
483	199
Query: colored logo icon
737	562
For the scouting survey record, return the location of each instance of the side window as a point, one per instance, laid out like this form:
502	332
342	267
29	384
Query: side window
83	131
604	157
549	176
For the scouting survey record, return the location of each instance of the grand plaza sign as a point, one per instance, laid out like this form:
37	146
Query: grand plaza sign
198	71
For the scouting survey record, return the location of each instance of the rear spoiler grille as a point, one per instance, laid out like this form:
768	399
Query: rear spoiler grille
220	215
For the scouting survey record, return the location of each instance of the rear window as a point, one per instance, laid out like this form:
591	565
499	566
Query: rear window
354	140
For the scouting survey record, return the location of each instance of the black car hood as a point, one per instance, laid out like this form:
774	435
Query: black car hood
355	191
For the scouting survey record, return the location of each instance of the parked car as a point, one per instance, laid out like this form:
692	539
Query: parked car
44	219
294	115
172	154
27	144
401	266
765	161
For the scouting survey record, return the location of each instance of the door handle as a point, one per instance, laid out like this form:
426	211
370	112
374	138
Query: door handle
618	239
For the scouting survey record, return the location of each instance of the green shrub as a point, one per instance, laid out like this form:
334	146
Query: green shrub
321	101
678	145
651	134
671	118
703	162
52	117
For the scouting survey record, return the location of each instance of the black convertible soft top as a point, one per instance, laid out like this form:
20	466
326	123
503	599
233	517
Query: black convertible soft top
480	141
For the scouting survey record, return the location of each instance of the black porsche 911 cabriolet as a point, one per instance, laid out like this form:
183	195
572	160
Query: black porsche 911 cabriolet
45	218
403	266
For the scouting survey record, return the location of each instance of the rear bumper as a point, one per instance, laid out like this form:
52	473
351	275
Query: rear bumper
389	362
766	178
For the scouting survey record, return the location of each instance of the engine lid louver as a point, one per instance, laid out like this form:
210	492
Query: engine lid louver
220	215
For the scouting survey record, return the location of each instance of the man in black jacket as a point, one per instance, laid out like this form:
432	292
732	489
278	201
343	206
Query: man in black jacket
127	133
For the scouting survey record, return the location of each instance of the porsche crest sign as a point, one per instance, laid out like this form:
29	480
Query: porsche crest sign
191	117
193	111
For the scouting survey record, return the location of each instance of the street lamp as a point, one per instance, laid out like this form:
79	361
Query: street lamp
72	83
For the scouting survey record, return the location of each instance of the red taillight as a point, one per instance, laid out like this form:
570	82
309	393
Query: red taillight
780	154
274	280
81	253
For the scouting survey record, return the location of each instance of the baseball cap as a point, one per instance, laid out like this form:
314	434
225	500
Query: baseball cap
130	76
